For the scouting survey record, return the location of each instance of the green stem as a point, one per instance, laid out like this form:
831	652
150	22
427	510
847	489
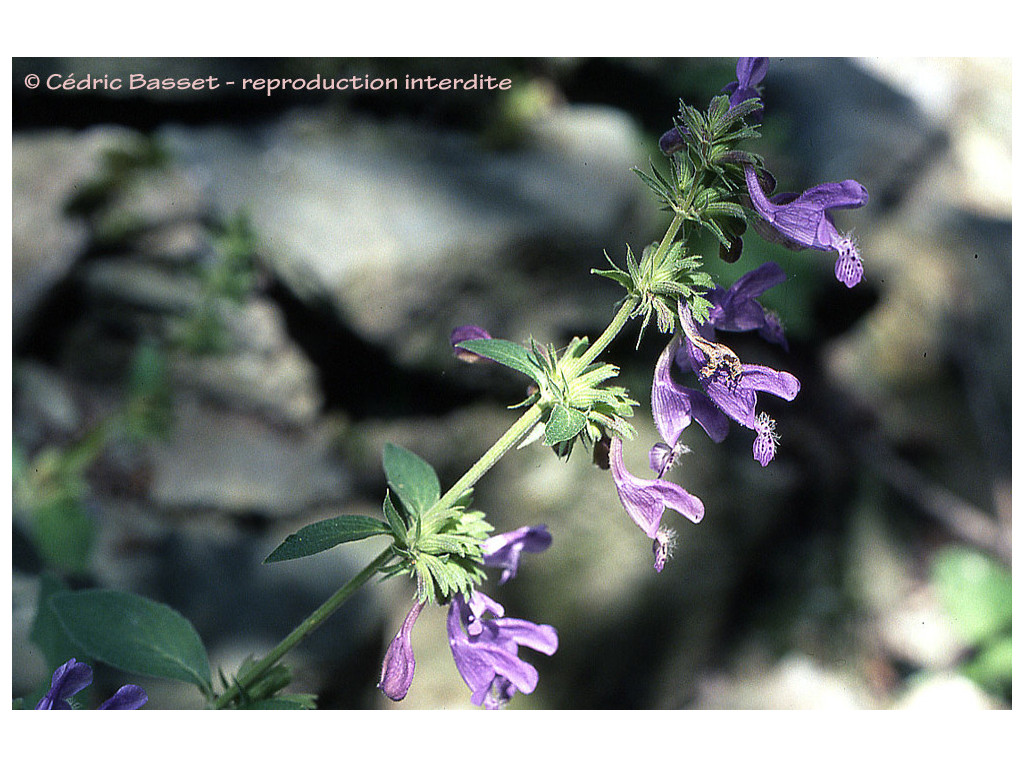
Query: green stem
513	435
314	620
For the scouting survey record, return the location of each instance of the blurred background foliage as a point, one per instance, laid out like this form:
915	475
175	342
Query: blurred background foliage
226	303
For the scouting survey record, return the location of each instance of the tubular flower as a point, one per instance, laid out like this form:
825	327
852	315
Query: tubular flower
74	676
486	651
733	386
465	333
737	308
399	663
674	407
804	221
750	71
504	550
645	502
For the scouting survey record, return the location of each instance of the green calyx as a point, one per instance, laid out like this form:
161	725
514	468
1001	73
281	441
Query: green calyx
576	399
662	278
438	544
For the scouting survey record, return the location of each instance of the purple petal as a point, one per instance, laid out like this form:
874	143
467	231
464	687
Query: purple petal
645	501
671	141
764	379
489	662
751	70
466	333
504	550
127	697
68	679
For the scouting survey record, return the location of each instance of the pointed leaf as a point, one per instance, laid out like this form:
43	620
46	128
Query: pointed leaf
412	479
133	633
507	353
398	526
324	534
563	424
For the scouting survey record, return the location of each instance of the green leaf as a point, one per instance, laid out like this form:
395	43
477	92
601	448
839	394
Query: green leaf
324	534
617	275
398	527
992	668
975	590
47	634
133	633
63	534
412	479
563	424
507	353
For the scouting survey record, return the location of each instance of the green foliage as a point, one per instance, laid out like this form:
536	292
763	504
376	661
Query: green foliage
228	278
976	591
563	424
507	353
149	410
47	633
63	534
439	545
326	534
412	479
133	633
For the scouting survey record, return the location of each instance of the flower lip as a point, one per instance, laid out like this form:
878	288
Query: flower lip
645	501
488	661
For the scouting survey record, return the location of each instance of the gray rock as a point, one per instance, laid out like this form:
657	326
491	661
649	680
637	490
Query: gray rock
234	463
48	168
393	224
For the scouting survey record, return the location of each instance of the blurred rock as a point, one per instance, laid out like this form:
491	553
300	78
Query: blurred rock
49	168
409	232
223	460
795	682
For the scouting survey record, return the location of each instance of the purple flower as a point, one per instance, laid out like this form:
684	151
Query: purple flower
674	407
126	697
465	333
504	550
486	651
74	676
645	502
805	221
733	386
737	308
399	663
750	71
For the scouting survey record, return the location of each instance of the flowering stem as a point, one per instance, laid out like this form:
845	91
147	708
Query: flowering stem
626	310
314	620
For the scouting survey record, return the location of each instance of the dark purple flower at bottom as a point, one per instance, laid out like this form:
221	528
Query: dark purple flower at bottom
805	221
486	651
74	676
